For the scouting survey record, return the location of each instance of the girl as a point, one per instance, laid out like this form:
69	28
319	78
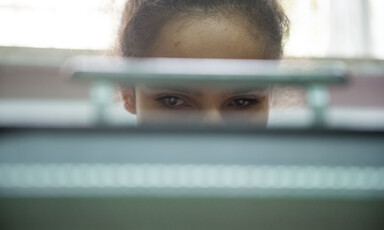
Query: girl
232	29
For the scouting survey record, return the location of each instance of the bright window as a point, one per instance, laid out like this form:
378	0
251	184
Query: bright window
72	24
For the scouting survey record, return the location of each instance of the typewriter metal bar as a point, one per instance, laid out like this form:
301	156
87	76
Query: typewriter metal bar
106	71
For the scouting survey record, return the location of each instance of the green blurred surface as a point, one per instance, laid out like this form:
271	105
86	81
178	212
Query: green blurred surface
192	213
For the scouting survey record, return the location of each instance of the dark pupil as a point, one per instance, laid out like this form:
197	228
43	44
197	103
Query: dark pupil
241	102
172	101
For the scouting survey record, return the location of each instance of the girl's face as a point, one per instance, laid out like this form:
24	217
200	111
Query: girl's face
204	37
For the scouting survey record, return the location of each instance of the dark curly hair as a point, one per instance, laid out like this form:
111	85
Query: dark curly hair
143	19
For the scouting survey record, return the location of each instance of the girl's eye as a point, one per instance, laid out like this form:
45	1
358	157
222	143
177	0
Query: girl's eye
172	101
242	103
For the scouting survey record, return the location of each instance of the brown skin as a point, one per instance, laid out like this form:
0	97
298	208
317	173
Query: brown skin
219	36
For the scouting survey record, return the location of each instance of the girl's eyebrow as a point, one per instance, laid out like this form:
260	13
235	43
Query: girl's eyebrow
247	90
180	89
196	92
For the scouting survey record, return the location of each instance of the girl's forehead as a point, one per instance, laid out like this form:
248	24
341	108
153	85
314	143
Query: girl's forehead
208	37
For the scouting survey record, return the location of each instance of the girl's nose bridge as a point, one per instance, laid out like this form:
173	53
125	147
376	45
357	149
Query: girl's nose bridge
212	116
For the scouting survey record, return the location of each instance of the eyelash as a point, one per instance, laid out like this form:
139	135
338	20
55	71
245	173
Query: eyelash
232	103
163	101
251	102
